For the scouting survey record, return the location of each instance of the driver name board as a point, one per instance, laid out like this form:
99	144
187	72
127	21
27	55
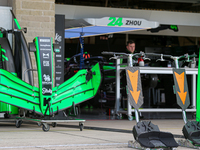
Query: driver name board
123	22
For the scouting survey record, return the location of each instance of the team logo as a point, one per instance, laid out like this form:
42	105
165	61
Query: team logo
58	38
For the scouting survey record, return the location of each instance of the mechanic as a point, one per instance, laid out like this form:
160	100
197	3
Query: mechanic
130	46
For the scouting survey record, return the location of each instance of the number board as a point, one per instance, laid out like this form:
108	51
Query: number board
123	22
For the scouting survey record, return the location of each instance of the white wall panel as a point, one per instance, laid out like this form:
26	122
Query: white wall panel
6	20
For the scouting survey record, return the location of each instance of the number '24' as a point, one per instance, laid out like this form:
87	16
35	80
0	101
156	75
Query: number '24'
115	21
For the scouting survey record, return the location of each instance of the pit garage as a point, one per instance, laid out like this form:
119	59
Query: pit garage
173	36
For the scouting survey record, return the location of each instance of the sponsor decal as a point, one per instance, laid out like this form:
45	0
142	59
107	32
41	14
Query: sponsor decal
46	55
45	91
58	66
58	38
46	63
45	45
44	49
58	78
45	40
47	79
58	56
58	72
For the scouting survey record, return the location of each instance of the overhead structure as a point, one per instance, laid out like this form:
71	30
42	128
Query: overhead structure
106	25
188	23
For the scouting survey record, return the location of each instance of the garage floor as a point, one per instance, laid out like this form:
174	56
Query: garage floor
98	134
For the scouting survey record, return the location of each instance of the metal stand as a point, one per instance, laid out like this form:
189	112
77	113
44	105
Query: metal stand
154	70
151	70
45	122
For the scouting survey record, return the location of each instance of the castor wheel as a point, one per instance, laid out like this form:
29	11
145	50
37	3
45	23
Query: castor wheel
81	126
18	123
119	116
54	124
39	124
45	127
130	118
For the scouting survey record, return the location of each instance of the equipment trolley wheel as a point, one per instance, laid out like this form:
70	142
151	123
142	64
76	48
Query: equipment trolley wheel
45	127
54	124
119	116
39	124
18	123
81	126
130	118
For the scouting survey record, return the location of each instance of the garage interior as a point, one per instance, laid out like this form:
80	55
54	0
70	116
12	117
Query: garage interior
162	40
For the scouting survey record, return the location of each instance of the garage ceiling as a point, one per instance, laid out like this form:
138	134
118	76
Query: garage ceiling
169	5
188	23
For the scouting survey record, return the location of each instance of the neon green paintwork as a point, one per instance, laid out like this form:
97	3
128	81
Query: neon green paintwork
76	89
115	22
1	34
108	67
17	23
81	87
43	107
16	92
6	108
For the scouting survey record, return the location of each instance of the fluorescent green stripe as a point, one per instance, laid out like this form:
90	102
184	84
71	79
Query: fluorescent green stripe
4	58
17	23
15	74
3	50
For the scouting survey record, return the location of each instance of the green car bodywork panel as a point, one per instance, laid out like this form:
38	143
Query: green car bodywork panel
6	60
45	99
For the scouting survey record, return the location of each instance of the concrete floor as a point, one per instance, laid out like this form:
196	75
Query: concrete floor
97	134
